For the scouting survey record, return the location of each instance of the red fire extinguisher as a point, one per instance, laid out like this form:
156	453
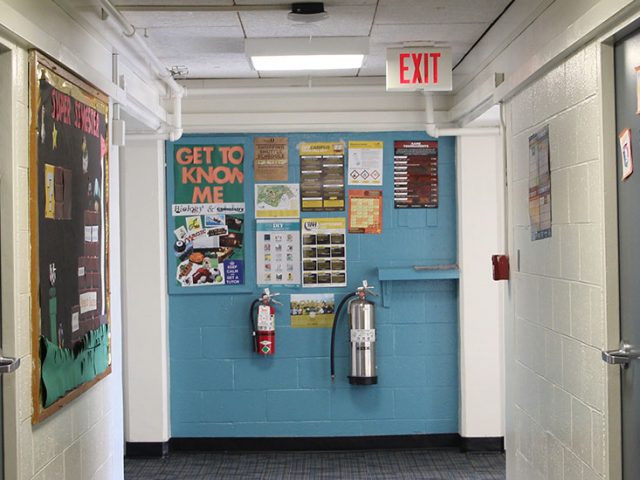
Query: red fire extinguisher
263	323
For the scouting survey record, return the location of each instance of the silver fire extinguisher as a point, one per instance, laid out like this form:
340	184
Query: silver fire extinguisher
362	333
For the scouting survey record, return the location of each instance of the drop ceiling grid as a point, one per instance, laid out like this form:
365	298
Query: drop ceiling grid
182	19
211	44
427	12
343	21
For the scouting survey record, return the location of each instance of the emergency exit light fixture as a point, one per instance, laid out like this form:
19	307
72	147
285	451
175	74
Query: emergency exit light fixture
305	54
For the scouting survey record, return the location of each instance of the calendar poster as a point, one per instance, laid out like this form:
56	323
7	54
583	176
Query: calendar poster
365	211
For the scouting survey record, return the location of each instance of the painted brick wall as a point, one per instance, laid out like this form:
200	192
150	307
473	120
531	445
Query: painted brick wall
556	381
219	388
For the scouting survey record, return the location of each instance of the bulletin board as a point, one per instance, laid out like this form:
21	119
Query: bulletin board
216	377
69	224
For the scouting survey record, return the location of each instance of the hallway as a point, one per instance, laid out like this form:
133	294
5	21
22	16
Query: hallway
437	464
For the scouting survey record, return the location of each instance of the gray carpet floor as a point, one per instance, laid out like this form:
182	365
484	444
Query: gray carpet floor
437	464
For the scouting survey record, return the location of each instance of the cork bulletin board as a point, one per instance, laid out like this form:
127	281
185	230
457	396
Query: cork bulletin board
69	220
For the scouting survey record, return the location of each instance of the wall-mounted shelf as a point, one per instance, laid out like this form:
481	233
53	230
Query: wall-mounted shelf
388	275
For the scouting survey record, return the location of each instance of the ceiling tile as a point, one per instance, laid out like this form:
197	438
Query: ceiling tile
182	19
175	41
343	21
119	3
439	11
449	34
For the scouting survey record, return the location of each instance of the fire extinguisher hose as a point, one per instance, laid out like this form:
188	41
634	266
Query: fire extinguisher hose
333	331
252	320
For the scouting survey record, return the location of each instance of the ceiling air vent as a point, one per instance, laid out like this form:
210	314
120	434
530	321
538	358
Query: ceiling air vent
307	12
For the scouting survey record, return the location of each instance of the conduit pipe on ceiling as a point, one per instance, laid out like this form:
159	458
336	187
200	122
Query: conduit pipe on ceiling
434	131
176	90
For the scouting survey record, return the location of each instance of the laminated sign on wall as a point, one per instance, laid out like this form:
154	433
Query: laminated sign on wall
539	184
365	163
207	213
324	255
322	176
277	200
270	159
278	252
415	174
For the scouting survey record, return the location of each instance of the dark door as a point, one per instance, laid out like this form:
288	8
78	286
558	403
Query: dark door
627	58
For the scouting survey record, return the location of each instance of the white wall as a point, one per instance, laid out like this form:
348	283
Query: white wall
85	439
557	384
480	195
145	292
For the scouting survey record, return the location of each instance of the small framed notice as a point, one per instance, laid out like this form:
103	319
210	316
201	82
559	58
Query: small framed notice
625	153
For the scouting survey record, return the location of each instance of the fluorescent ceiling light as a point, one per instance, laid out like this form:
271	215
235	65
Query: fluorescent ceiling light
304	54
307	62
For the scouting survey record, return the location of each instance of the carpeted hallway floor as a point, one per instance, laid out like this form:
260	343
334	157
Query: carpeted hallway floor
440	464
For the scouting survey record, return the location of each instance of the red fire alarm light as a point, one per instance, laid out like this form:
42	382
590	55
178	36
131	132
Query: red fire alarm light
500	267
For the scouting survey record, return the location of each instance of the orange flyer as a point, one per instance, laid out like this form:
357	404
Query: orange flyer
365	211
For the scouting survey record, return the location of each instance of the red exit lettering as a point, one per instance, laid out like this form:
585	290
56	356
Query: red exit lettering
423	65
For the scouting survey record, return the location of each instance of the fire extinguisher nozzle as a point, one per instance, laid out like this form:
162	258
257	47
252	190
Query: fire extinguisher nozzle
333	378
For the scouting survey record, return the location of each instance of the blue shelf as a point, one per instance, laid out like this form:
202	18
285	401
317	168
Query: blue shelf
387	275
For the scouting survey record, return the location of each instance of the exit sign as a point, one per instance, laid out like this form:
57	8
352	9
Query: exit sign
419	68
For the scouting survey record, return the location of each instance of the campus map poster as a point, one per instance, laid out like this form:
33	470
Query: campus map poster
324	252
277	200
415	174
322	176
207	213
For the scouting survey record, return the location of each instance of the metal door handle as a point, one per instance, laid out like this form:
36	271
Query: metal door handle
622	356
8	364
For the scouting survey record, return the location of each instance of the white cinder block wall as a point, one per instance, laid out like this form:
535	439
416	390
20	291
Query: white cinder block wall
556	381
84	439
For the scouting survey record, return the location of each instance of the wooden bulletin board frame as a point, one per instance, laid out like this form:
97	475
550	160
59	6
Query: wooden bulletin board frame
69	227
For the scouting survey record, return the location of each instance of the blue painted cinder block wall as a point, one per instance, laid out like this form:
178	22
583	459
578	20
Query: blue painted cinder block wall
219	388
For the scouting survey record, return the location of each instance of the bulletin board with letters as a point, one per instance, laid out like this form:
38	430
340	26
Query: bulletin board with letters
69	215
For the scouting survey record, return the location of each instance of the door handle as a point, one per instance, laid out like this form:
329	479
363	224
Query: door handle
8	364
622	356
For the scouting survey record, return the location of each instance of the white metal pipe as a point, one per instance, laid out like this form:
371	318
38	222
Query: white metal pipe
460	132
147	136
434	131
176	127
177	91
130	31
